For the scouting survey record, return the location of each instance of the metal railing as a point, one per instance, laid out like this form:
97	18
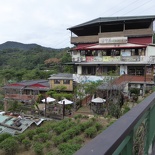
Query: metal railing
131	134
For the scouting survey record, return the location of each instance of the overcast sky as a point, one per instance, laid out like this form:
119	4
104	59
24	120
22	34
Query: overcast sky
45	22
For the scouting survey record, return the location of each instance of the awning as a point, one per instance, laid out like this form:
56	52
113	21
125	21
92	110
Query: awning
114	46
108	46
83	46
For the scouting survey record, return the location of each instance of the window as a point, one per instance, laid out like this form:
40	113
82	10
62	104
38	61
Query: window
74	52
82	53
56	81
66	81
133	70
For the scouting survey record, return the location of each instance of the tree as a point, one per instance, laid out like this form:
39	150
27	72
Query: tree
91	87
10	145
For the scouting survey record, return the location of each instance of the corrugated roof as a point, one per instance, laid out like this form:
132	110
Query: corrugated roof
25	123
32	84
113	19
62	76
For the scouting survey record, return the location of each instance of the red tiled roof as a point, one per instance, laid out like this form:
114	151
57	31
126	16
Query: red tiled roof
37	85
83	46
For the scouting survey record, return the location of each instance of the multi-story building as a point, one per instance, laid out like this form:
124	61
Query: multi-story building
120	45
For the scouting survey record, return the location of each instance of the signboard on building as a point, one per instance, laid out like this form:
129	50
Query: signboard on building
113	40
130	58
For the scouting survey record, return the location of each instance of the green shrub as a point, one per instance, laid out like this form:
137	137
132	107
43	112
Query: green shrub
77	116
125	109
85	116
38	148
20	137
78	130
26	143
93	119
40	130
71	132
57	140
90	132
3	136
9	145
69	149
43	137
85	125
65	136
30	134
98	126
36	138
76	140
47	144
59	129
134	91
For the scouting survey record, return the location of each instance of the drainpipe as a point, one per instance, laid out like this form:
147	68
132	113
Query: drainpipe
144	85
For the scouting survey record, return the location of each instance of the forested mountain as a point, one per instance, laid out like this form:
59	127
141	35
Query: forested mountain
28	56
26	62
20	46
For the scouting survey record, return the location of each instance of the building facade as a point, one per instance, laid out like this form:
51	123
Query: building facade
118	45
60	81
28	91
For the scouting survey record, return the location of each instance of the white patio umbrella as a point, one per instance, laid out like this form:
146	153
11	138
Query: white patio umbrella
65	101
98	100
48	99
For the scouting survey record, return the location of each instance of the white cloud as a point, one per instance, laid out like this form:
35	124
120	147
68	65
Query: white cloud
45	22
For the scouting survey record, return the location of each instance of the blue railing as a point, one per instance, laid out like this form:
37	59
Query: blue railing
131	134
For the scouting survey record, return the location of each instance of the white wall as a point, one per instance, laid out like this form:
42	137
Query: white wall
75	55
150	50
79	70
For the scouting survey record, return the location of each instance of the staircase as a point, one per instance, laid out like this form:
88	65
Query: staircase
85	110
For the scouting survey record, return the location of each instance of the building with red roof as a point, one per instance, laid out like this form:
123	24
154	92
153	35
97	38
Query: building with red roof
121	45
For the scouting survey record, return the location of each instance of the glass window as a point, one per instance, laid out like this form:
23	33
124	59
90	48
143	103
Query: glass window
82	53
66	81
74	52
56	81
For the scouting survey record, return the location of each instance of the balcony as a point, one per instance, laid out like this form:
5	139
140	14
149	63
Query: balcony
133	133
21	97
126	33
113	59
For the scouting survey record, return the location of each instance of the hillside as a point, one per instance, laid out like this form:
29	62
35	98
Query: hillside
15	55
19	46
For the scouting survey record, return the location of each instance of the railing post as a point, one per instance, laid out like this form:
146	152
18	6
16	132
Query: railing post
126	146
151	131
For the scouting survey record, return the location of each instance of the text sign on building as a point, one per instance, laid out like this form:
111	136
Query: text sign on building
113	40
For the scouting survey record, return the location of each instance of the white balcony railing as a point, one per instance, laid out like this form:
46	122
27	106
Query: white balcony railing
147	59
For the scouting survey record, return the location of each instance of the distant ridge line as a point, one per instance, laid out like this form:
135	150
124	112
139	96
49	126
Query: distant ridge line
21	46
